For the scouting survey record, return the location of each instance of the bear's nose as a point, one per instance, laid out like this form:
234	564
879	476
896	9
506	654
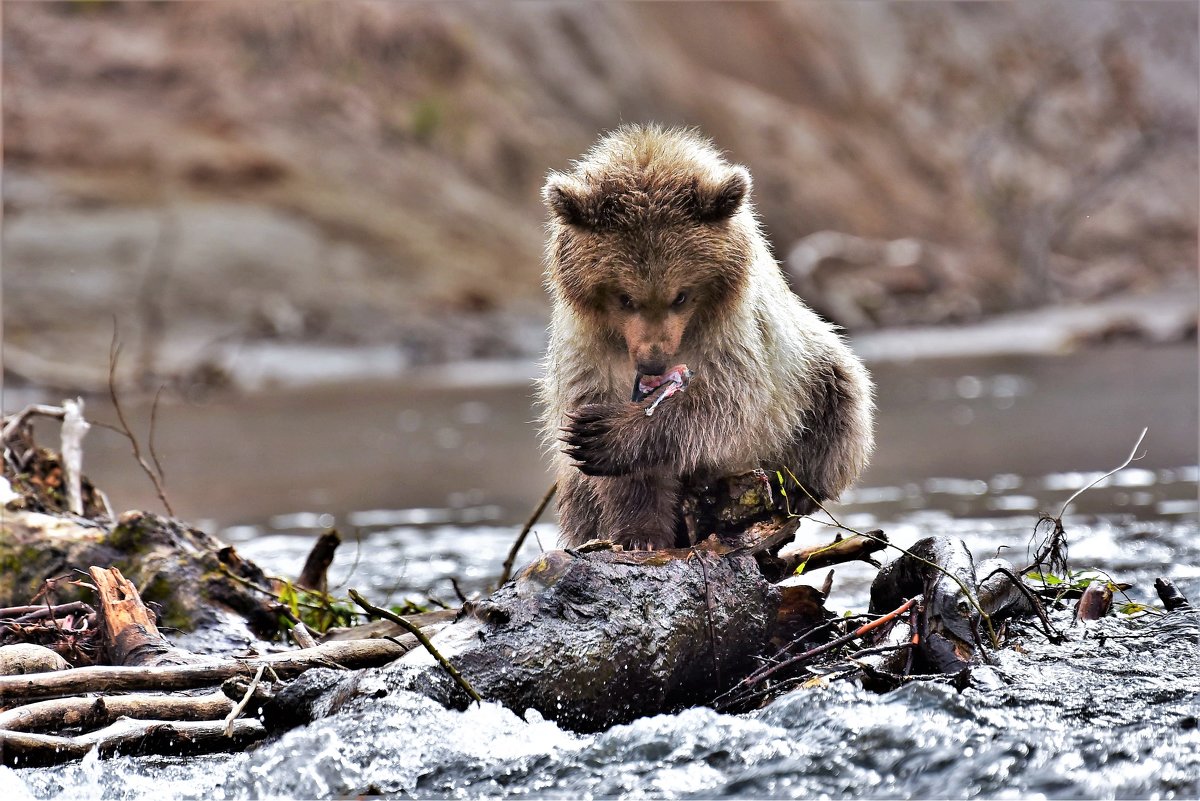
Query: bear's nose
652	368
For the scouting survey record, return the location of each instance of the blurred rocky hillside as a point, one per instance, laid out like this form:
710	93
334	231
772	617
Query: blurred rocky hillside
222	173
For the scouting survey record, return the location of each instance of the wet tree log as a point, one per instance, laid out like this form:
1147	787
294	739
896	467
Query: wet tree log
593	638
105	679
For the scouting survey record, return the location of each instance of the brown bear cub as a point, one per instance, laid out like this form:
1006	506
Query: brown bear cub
657	269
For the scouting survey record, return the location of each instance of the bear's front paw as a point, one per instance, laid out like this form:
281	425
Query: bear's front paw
590	440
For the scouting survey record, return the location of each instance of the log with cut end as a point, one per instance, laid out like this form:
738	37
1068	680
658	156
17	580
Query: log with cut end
131	637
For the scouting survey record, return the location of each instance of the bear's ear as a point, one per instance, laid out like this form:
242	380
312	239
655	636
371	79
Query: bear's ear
720	201
568	199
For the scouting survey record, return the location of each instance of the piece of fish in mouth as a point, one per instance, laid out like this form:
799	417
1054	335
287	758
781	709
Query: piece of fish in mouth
674	379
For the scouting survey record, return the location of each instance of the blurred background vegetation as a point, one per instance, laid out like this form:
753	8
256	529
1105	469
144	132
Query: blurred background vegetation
365	173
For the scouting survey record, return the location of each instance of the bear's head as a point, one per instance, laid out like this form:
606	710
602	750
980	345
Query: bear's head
651	235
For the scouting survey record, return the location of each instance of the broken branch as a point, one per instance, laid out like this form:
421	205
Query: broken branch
412	629
856	548
506	572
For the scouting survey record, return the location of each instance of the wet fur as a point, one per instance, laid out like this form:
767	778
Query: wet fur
646	212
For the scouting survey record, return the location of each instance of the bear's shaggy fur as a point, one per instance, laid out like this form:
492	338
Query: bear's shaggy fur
654	258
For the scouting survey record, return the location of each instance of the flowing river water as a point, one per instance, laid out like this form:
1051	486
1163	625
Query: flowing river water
429	483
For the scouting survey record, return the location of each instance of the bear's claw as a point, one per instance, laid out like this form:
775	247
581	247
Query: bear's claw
588	440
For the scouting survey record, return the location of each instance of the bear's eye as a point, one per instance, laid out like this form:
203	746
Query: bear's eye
680	299
626	302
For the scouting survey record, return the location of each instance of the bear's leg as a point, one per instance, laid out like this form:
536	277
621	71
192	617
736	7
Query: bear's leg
640	511
578	509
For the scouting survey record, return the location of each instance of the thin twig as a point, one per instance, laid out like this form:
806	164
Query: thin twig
1132	456
162	475
241	706
506	573
414	630
808	634
1054	549
1051	633
114	354
882	649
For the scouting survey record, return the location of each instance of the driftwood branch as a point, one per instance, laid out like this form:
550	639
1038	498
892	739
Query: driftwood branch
74	428
351	654
856	548
90	713
29	614
247	697
174	738
14	422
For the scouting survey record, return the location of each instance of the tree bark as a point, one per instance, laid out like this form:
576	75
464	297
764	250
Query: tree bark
602	637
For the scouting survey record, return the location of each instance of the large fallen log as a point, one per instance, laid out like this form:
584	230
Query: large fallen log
594	638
